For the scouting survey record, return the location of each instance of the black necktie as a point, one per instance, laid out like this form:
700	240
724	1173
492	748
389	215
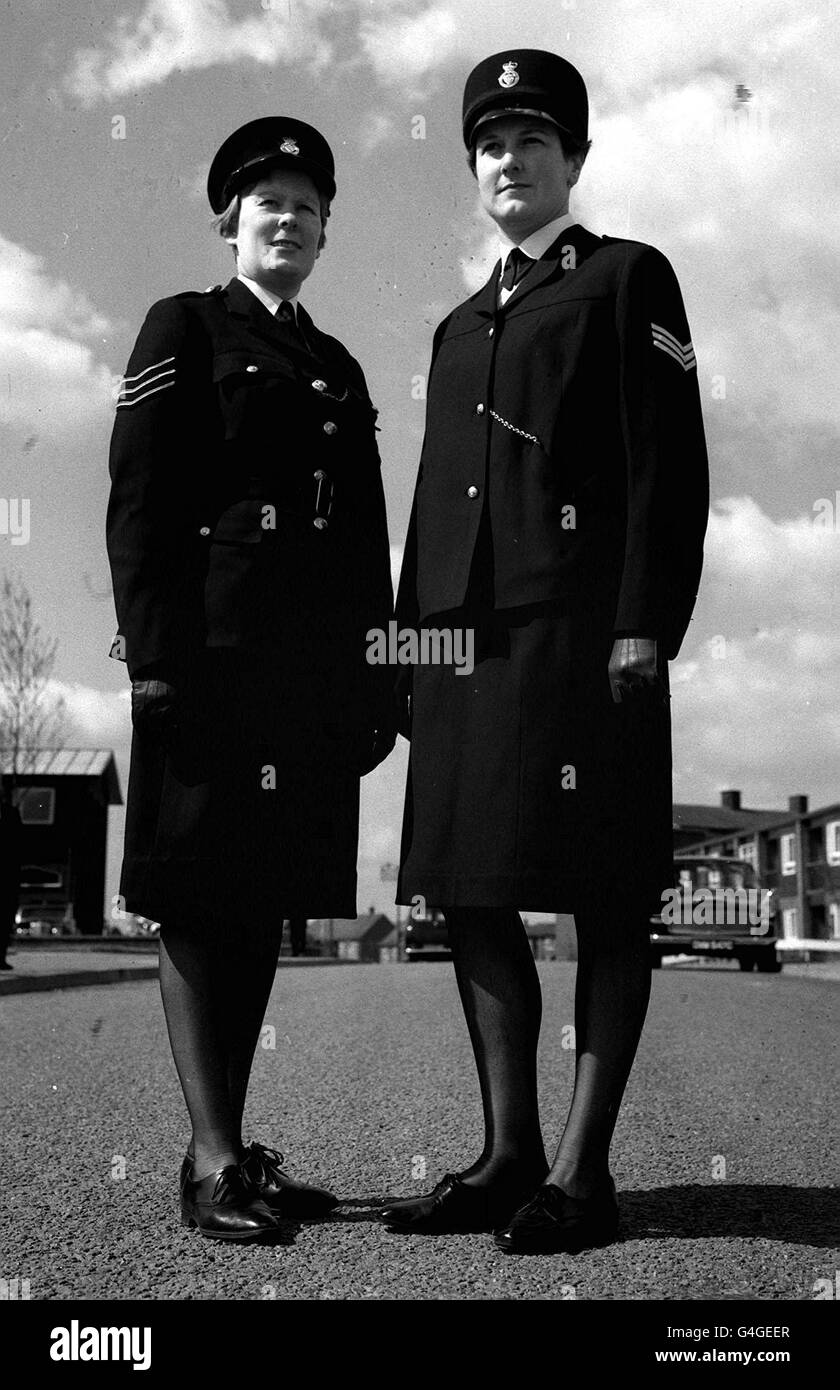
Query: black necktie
286	315
516	266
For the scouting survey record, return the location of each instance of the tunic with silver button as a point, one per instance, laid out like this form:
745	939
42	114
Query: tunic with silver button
249	551
561	503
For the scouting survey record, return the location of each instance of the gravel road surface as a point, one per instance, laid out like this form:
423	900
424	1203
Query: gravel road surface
725	1155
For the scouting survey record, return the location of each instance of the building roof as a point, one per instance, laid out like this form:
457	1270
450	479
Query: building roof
66	762
372	926
722	819
779	820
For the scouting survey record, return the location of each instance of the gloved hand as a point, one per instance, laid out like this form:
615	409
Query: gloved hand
154	708
633	669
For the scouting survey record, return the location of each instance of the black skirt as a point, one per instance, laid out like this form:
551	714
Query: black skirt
253	807
528	787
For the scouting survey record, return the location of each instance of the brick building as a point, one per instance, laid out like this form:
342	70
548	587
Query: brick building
795	852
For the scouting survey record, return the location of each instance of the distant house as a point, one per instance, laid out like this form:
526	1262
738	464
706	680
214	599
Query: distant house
728	821
346	939
796	853
63	798
390	945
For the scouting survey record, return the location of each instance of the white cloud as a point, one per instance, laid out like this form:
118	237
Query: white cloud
53	384
404	47
95	718
755	704
770	575
377	129
174	36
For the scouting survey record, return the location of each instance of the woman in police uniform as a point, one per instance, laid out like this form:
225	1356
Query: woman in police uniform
249	552
559	512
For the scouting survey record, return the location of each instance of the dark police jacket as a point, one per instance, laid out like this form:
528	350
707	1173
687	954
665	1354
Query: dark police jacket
570	420
246	508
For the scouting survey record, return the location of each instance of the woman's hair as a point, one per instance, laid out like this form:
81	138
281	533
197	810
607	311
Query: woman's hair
227	223
572	149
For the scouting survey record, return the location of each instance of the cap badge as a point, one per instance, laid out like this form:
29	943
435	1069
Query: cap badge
290	146
509	76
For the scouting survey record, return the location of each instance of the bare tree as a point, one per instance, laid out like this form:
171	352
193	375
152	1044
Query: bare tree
28	720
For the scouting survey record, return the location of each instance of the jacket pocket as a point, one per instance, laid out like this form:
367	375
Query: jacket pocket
243	380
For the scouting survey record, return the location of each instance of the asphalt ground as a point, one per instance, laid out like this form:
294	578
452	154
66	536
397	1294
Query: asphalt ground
725	1154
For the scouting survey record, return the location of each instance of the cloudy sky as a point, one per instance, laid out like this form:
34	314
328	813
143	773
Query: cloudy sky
715	137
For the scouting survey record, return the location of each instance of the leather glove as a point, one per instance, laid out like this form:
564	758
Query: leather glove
632	671
154	708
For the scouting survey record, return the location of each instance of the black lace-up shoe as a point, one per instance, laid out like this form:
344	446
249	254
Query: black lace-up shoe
552	1222
263	1172
223	1207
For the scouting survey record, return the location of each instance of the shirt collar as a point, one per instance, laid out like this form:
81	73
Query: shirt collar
271	300
539	241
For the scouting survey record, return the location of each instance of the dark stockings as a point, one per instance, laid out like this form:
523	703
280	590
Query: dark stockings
214	995
500	994
611	999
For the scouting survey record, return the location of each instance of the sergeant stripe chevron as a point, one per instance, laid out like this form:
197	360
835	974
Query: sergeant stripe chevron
134	389
681	352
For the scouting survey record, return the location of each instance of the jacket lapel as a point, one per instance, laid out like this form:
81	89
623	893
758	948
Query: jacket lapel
557	262
244	306
312	353
553	265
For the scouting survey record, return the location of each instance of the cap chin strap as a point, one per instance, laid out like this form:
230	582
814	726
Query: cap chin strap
514	111
499	111
279	160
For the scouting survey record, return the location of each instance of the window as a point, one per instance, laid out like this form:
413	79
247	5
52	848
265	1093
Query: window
832	842
748	852
37	805
788	854
790	923
834	921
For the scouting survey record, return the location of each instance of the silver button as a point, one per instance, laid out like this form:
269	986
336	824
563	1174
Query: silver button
321	523
205	531
479	410
472	491
319	385
252	369
330	427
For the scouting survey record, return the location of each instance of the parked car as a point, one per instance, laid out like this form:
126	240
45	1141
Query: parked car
426	938
717	908
45	919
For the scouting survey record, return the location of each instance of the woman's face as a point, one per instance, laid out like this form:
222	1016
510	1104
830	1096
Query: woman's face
279	232
523	175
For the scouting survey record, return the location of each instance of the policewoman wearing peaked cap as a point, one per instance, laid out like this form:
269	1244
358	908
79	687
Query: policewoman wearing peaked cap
249	552
560	510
